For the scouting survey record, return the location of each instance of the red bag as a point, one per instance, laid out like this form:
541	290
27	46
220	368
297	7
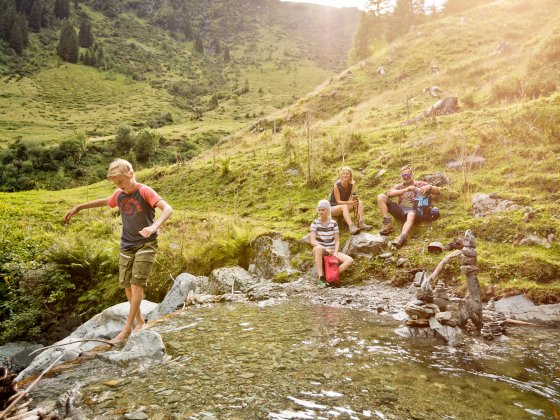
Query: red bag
332	275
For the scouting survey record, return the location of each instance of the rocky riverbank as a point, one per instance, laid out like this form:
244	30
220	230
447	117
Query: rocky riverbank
234	284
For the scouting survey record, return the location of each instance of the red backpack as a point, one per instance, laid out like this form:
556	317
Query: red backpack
332	275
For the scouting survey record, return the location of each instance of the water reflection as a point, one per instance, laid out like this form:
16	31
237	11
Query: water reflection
295	360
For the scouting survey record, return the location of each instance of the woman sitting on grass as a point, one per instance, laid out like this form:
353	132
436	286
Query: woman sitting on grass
344	200
325	241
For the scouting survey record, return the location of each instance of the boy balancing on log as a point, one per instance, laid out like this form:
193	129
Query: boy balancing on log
137	203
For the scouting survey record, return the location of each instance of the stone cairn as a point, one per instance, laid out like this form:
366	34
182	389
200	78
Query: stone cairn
434	313
496	326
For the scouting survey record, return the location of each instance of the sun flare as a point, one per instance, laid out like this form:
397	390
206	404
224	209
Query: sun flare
334	3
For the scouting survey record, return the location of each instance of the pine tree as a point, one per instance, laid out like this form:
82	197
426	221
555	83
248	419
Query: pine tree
363	36
68	47
403	16
373	26
36	15
85	36
17	41
24	6
87	58
418	8
406	14
23	29
198	46
99	57
226	55
62	9
7	18
187	28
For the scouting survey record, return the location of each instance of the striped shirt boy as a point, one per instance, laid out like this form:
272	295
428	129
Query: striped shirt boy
325	233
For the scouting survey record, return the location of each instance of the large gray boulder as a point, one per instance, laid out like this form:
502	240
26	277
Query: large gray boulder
104	325
175	298
271	256
522	308
365	245
221	280
485	204
467	162
452	335
15	356
438	179
144	344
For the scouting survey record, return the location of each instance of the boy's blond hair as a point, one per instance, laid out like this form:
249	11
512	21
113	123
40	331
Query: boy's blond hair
119	167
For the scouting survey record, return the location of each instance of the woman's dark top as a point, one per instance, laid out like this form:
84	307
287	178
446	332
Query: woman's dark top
343	192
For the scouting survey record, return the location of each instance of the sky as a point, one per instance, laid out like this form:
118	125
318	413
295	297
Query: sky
352	3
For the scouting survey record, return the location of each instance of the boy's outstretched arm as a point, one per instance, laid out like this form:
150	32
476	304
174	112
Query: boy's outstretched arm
166	212
102	202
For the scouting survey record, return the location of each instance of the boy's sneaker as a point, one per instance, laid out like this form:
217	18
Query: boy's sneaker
363	226
387	227
354	229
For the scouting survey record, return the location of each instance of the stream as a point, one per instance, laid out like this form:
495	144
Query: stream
295	359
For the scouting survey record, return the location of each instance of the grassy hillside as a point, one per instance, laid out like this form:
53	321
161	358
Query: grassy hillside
153	67
255	182
152	76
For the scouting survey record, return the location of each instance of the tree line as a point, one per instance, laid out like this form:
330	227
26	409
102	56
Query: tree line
387	20
73	161
19	17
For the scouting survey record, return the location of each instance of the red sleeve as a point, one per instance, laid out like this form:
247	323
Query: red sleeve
112	200
149	195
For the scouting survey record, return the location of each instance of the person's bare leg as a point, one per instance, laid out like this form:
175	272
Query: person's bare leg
346	215
318	257
410	217
360	211
382	204
134	294
346	261
139	318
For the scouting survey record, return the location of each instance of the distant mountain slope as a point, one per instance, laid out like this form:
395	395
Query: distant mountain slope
145	41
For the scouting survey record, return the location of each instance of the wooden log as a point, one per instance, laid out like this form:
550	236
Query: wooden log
426	282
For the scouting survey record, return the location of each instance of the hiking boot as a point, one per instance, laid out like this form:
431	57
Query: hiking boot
353	229
387	227
399	241
363	226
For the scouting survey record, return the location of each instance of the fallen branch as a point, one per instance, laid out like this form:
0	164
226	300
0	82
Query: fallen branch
426	282
12	406
28	415
72	342
523	323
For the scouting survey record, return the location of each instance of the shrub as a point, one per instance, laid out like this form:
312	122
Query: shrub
145	145
232	247
124	139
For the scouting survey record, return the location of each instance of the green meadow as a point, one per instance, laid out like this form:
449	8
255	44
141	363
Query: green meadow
252	182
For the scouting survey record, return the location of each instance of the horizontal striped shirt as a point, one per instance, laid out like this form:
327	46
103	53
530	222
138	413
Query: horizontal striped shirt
325	233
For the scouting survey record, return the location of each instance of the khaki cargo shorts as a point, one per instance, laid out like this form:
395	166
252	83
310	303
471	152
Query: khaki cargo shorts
135	264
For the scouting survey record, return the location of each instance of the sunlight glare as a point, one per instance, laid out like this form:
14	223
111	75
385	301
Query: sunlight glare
334	3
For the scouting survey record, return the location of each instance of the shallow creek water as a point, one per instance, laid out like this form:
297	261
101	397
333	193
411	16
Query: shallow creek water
297	360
